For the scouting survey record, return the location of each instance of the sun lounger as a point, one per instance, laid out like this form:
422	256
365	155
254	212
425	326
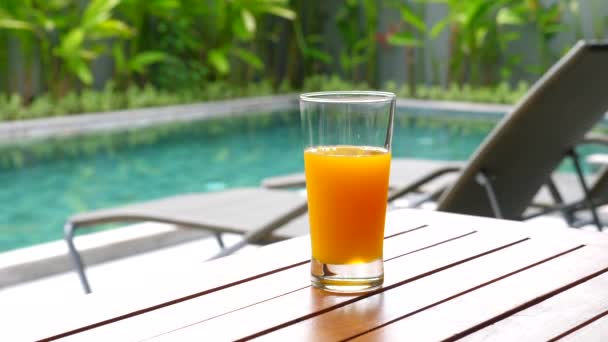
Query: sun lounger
256	213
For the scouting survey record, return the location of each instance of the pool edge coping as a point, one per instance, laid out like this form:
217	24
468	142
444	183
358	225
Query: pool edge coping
79	124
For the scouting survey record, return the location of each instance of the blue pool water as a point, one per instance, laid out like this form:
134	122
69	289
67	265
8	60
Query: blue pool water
44	183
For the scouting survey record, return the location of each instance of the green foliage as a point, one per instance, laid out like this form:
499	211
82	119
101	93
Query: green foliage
209	36
112	98
410	36
502	93
12	107
359	40
477	29
204	41
481	32
183	46
329	83
68	37
220	28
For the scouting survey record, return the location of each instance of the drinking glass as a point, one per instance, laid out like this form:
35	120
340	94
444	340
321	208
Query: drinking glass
347	161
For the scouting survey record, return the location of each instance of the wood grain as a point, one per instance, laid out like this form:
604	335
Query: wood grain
87	311
410	298
180	285
551	317
474	310
299	305
250	293
149	306
532	229
596	330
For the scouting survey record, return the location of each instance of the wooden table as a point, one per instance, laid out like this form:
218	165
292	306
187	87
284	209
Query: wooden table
447	277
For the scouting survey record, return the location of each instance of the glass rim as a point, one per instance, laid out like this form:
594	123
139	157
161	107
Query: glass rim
348	96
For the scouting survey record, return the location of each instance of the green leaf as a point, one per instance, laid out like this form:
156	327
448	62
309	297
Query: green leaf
345	61
98	11
49	25
514	60
282	12
72	41
218	61
248	57
161	7
81	70
119	58
552	29
361	45
248	21
314	38
550	14
480	35
280	2
439	27
57	4
113	28
507	16
411	18
476	13
139	62
403	39
511	36
90	55
13	24
317	54
239	28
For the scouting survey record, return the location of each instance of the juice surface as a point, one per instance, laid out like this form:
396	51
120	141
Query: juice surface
347	190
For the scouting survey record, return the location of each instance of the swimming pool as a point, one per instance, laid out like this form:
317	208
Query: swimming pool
45	182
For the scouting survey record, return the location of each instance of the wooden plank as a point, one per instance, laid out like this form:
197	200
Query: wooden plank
595	330
495	301
250	293
407	299
547	232
303	304
182	283
550	318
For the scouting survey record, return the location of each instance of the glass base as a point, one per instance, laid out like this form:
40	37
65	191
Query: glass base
351	278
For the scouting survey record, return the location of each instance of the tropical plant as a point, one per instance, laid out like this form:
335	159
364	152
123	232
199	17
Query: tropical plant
410	35
546	21
310	45
210	40
233	23
133	55
303	41
481	32
4	60
599	19
68	37
359	40
479	37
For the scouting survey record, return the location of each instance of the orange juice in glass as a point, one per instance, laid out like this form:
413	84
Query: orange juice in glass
347	162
